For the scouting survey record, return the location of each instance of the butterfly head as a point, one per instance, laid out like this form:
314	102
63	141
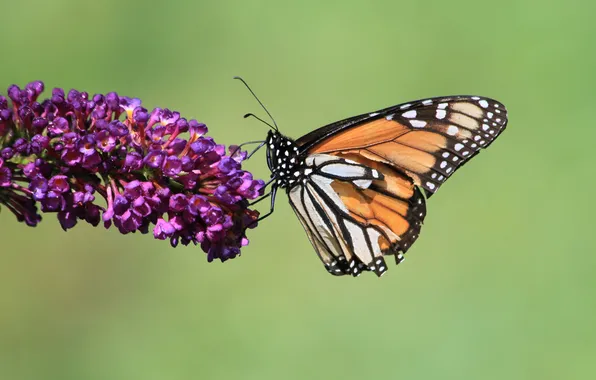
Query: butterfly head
283	159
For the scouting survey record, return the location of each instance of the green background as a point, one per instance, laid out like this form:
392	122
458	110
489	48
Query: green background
499	286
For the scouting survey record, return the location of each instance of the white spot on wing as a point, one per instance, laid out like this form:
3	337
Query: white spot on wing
483	103
418	123
441	114
363	183
452	130
409	114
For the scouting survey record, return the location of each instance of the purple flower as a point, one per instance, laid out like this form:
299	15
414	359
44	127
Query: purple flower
153	168
154	159
178	202
163	230
106	142
57	126
52	201
202	145
133	161
172	166
67	219
196	129
38	187
59	184
5	175
7	153
129	105
39	143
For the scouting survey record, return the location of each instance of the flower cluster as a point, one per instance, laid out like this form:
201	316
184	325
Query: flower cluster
66	152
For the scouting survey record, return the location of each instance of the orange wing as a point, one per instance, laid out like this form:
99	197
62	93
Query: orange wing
426	140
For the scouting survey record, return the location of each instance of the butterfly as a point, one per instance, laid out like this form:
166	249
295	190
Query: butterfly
359	186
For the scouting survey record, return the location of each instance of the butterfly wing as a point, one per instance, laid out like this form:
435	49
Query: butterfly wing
353	222
355	212
428	140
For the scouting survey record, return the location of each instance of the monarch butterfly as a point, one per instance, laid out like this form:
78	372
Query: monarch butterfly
357	185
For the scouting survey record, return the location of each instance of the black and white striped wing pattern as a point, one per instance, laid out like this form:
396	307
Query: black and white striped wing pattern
349	223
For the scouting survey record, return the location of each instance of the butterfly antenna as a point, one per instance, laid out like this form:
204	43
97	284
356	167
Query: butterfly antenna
261	103
259	119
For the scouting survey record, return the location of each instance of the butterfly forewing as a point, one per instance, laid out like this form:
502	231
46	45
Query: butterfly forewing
427	139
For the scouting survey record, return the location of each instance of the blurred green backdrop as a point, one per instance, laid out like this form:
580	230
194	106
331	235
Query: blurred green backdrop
499	286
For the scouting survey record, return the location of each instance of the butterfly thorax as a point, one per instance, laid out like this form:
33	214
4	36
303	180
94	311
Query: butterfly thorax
283	159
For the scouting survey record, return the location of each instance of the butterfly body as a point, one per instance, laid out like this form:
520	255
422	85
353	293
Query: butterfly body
284	160
357	185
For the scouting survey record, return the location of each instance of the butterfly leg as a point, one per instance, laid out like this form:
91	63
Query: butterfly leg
269	194
260	199
264	196
272	193
256	149
261	142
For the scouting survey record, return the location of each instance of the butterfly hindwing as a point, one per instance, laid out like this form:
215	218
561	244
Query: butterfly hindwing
354	215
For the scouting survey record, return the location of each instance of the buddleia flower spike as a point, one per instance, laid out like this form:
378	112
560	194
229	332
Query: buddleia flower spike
105	158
